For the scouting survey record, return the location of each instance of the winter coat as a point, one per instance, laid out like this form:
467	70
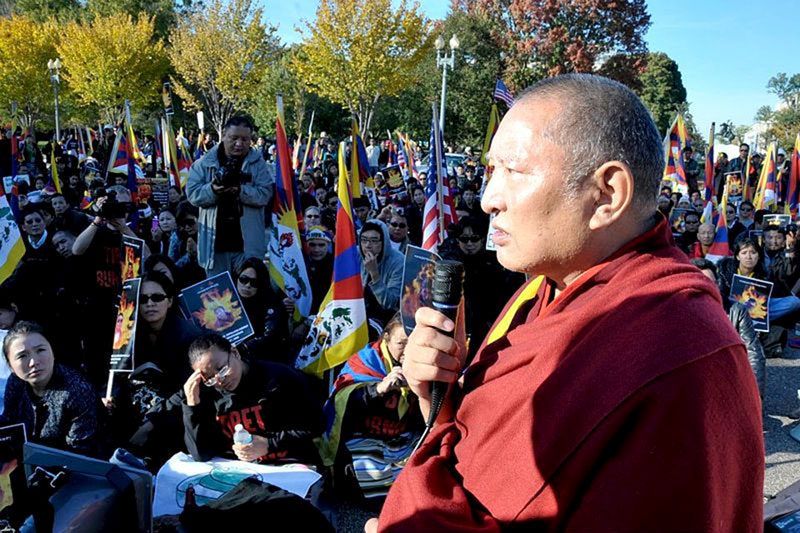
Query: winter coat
254	197
743	324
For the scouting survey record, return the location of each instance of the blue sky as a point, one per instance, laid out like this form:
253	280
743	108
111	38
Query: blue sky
726	50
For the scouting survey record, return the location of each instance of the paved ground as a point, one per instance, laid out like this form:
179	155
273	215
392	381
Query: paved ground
783	452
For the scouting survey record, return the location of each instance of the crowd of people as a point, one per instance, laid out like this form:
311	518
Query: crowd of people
190	388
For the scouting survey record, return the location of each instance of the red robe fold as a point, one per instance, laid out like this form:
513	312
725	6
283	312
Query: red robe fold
625	404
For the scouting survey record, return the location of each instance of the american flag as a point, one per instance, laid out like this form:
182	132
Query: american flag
436	170
501	92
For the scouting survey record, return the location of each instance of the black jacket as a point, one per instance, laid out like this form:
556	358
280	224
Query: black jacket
743	324
271	401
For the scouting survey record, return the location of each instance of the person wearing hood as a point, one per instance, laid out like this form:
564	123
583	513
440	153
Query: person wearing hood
231	185
381	270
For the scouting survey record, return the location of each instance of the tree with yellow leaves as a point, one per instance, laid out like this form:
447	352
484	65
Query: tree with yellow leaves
220	56
112	59
24	78
356	51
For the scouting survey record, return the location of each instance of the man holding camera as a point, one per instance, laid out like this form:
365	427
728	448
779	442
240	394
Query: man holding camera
231	185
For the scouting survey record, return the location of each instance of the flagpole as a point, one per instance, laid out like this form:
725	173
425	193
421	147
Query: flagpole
436	160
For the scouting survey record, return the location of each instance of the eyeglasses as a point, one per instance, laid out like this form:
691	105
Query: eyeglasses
220	376
400	225
156	298
247	280
188	223
470	238
370	241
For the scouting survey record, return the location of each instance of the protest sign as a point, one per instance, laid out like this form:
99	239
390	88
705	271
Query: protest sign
156	188
212	479
125	327
394	182
417	283
756	235
131	257
733	181
12	444
9	182
677	219
214	305
777	220
754	294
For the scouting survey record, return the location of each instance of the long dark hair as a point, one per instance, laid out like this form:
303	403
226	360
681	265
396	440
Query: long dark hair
743	242
256	306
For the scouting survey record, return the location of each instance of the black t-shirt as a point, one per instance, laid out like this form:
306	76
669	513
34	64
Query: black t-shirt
105	259
229	212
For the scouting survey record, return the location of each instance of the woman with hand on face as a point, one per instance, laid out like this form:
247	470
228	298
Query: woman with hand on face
164	226
271	401
381	271
57	405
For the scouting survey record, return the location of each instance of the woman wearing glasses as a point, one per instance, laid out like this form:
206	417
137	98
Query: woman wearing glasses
271	401
266	312
381	271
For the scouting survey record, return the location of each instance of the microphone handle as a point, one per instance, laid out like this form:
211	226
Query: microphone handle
439	388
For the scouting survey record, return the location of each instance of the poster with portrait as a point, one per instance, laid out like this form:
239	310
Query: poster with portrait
131	257
214	305
156	187
777	220
394	182
417	284
733	181
12	475
756	235
754	294
677	219
125	327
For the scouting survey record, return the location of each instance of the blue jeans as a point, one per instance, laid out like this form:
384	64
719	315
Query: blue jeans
780	307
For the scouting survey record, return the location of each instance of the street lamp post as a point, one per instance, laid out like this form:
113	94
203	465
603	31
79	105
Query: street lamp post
443	60
54	65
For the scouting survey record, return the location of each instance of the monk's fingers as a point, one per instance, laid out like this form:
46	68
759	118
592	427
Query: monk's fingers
429	337
427	316
422	373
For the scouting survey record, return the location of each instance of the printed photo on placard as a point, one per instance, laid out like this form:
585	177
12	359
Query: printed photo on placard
733	181
754	294
395	186
131	257
214	305
125	327
417	283
12	475
677	219
777	220
756	235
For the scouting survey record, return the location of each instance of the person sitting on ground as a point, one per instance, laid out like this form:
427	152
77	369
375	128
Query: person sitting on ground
67	217
740	318
271	401
37	238
55	403
267	313
705	238
372	417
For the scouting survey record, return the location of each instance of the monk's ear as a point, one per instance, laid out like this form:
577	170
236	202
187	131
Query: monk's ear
612	186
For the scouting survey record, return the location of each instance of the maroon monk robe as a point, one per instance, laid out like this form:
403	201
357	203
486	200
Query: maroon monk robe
625	404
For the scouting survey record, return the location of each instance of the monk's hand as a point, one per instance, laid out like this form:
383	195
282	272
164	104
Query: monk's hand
251	452
433	353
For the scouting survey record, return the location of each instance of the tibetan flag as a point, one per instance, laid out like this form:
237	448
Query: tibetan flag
708	191
359	166
720	248
392	152
55	183
494	122
307	156
89	143
184	158
676	140
794	180
766	196
171	155
118	162
296	153
12	247
287	267
340	328
157	159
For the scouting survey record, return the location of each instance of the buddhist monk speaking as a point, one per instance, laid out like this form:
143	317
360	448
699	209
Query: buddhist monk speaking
612	393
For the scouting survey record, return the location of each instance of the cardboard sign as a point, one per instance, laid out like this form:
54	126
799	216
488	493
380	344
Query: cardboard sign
131	255
417	284
754	294
214	305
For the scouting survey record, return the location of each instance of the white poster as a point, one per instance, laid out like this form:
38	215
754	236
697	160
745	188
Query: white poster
214	478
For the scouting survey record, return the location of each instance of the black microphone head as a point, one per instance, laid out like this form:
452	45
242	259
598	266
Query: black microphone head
448	282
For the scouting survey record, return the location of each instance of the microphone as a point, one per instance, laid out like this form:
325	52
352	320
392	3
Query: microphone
448	288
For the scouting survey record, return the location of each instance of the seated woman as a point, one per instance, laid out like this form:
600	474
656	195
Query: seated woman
264	308
57	404
372	415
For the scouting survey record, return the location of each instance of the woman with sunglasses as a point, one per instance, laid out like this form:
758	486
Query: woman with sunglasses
487	285
398	231
271	401
265	309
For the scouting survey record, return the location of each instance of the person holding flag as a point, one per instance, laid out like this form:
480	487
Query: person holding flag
231	185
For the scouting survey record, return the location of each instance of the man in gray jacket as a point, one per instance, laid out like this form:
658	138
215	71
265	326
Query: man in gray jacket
231	184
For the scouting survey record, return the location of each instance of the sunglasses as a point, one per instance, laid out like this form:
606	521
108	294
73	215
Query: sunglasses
188	223
155	298
246	280
220	376
398	225
470	238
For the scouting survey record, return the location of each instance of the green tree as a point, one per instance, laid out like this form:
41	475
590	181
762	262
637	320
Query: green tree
220	56
42	10
358	51
165	13
763	114
662	89
786	88
24	78
113	59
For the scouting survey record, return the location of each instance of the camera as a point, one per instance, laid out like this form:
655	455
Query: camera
231	175
111	209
